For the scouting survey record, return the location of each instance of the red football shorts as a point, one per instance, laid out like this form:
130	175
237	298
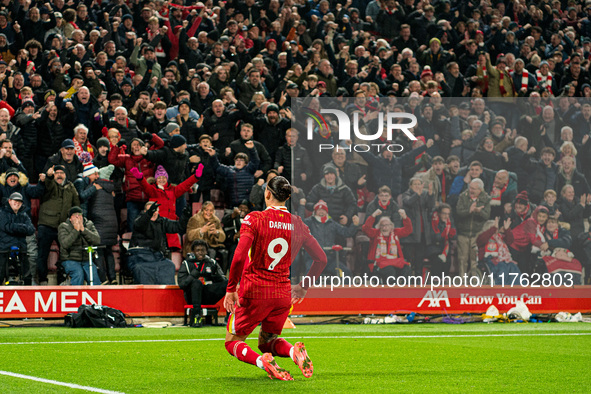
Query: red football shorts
272	313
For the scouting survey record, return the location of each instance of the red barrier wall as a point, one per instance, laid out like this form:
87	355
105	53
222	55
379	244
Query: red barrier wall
57	301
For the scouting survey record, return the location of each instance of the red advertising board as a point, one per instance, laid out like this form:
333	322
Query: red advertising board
365	300
57	301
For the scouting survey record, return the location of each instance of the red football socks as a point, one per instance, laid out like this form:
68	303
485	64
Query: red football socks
242	352
281	348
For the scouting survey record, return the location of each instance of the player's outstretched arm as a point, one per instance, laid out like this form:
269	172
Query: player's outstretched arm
236	268
313	248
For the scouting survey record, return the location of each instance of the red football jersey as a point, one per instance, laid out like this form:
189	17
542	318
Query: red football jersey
277	238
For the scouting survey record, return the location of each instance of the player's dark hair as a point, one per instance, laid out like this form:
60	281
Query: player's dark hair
280	188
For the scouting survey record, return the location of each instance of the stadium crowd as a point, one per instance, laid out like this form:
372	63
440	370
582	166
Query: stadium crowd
106	105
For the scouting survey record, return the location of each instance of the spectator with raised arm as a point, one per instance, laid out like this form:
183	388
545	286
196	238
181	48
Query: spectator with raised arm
385	250
240	176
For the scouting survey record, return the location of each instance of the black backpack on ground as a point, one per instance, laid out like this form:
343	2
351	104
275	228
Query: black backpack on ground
96	316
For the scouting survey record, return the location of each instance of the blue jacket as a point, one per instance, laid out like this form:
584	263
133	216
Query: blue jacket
14	228
239	181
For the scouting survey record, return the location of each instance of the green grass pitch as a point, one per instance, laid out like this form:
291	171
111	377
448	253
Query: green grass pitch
478	357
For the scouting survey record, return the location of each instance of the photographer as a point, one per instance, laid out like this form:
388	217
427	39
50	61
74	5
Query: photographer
148	246
201	279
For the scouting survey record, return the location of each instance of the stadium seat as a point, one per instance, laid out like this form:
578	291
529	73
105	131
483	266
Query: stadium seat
35	203
217	198
196	207
361	217
123	215
177	259
126	239
206	310
54	256
116	257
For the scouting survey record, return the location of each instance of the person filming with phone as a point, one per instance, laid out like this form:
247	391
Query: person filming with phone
147	249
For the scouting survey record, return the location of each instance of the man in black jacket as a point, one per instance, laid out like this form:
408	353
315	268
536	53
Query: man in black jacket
301	170
67	158
15	226
342	205
201	279
238	146
148	246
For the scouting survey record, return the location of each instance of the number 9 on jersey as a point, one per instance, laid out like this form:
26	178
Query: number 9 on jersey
277	256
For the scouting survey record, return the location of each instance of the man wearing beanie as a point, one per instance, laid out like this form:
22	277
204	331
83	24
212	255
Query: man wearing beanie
270	129
74	235
98	204
60	195
168	131
101	159
522	209
338	196
328	233
15	227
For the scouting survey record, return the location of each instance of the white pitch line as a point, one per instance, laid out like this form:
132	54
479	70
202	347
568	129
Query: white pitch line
311	337
55	382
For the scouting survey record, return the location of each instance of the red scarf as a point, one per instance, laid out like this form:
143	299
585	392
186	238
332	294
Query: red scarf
484	83
544	81
554	234
418	158
388	251
79	149
384	207
524	79
321	219
497	194
497	250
